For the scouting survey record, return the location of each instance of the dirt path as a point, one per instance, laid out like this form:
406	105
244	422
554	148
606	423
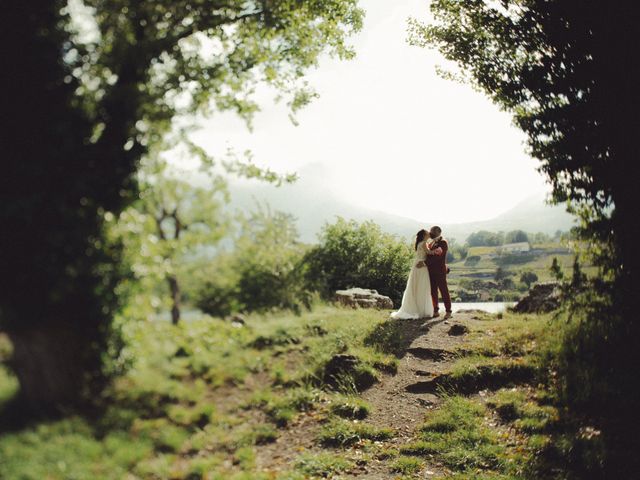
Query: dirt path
398	401
401	401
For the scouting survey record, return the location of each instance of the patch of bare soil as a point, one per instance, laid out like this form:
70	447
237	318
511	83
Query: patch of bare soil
300	436
396	402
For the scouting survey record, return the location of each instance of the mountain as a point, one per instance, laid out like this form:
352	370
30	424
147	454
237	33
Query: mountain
313	206
531	215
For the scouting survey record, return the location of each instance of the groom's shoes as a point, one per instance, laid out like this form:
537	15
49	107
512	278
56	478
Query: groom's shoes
448	315
436	315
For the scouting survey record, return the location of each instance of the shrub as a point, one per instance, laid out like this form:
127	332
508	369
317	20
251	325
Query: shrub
528	278
359	255
265	271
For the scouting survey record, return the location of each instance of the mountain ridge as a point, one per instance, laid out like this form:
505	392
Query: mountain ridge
313	207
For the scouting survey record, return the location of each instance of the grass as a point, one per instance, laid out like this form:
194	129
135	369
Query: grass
479	251
501	418
460	436
407	465
523	410
351	407
203	396
344	433
484	269
322	465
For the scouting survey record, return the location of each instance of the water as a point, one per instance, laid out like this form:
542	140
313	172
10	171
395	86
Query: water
489	307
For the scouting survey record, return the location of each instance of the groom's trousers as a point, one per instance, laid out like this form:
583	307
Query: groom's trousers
439	283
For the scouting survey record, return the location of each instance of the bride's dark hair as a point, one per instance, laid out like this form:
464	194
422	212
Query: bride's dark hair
420	236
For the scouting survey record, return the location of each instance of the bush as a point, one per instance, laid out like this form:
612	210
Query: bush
359	255
265	271
528	278
216	300
459	252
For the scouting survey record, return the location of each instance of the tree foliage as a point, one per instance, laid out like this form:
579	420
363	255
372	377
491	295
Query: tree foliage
528	278
484	238
264	271
516	236
95	84
359	255
565	71
562	69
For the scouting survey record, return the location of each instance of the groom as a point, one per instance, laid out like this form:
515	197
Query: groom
436	263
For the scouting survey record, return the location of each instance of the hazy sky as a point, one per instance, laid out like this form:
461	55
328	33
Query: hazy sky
387	133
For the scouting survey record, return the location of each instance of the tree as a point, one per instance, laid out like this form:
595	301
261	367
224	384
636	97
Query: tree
528	278
556	269
264	271
563	69
179	216
501	274
516	236
460	251
539	237
484	238
93	85
350	254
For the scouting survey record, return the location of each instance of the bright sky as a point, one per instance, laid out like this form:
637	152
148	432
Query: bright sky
387	133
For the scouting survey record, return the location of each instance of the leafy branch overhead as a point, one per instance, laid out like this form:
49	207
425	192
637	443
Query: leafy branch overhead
560	68
167	58
100	84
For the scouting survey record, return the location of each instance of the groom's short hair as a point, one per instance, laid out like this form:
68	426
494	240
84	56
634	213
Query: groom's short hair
436	228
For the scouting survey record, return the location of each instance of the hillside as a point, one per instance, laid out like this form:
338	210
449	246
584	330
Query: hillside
334	393
313	206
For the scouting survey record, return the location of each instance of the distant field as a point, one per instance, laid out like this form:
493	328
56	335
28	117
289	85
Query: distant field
541	263
479	251
538	261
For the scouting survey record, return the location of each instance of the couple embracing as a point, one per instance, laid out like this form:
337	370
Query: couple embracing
428	276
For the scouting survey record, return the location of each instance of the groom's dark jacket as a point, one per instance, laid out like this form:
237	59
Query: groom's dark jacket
437	263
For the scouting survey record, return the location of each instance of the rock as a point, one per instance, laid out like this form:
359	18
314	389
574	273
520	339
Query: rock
542	298
364	298
458	329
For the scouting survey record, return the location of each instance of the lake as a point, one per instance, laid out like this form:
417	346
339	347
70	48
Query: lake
489	307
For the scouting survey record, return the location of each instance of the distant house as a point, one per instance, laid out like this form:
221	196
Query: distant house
521	247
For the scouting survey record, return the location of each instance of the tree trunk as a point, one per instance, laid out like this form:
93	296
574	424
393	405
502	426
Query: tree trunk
49	364
174	287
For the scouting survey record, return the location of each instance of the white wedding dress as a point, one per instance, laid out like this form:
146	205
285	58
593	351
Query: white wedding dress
416	301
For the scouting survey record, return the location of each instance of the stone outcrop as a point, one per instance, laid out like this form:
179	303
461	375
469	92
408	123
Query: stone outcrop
364	298
542	298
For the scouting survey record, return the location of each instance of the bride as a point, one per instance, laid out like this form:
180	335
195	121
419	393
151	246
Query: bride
416	301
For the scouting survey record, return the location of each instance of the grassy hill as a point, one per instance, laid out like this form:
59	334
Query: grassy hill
475	275
210	399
